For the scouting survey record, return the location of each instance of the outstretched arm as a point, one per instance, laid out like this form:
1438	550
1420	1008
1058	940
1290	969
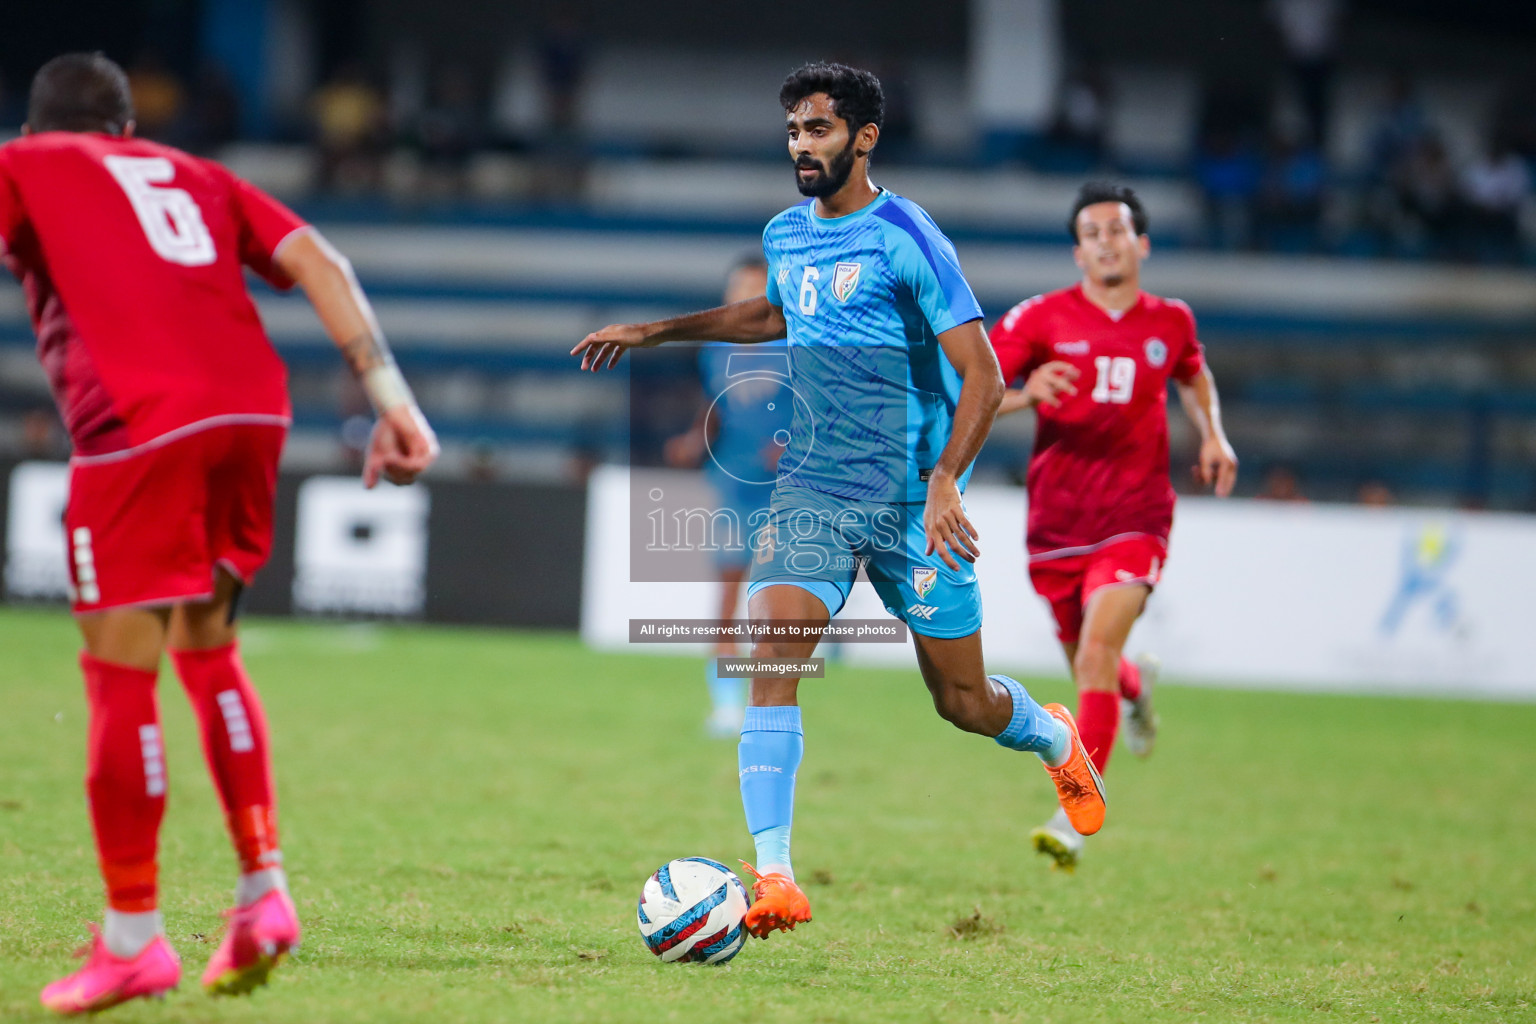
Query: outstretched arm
749	322
949	531
402	445
1044	386
1218	462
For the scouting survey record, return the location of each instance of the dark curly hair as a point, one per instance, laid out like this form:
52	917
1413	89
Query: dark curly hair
856	95
1107	192
80	92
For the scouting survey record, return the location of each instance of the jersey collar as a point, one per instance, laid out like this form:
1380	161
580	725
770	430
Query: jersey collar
1118	318
881	195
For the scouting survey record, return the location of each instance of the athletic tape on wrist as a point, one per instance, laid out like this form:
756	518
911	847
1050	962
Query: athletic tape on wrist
386	388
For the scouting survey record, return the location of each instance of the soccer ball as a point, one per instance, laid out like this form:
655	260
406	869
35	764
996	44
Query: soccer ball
691	910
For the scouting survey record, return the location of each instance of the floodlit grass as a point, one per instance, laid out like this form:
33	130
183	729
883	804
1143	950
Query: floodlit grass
469	815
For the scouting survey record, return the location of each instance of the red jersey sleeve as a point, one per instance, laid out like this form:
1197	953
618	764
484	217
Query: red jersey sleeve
264	224
12	213
1019	341
1190	357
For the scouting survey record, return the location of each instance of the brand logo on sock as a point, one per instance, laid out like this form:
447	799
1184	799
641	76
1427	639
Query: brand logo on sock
236	724
760	768
154	760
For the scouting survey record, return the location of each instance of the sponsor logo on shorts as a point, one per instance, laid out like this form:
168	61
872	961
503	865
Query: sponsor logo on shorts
845	278
1072	348
923	579
85	566
921	611
1126	576
1157	352
765	543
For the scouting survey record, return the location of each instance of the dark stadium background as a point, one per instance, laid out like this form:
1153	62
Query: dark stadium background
509	176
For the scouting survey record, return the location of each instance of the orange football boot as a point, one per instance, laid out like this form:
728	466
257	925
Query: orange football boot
1078	785
780	905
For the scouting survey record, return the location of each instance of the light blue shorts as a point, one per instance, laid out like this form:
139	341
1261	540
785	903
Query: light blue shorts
819	541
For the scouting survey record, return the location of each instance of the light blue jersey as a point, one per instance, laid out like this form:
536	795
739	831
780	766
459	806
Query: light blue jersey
865	297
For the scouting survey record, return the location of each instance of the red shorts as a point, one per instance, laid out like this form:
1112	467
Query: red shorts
1069	578
150	527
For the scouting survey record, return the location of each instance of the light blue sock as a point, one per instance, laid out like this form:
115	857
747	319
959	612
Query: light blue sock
724	694
1033	728
772	743
773	849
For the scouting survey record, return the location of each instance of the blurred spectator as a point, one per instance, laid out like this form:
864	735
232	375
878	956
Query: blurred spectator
158	97
1376	494
449	130
898	135
350	129
1428	200
1516	116
560	172
562	69
1281	484
1309	31
213	119
1228	171
1290	204
1496	187
1082	117
11	112
41	437
483	467
1400	128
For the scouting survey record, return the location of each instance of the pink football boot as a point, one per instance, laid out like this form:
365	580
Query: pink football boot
260	935
107	980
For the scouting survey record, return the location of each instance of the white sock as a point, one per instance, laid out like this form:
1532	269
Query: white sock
255	884
126	935
1060	750
1061	823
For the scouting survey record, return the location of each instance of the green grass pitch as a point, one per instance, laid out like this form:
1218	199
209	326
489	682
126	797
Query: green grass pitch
469	815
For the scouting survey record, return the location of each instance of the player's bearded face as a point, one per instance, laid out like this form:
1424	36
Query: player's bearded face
828	179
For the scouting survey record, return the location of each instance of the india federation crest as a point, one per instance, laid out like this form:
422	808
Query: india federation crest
1157	352
923	577
845	278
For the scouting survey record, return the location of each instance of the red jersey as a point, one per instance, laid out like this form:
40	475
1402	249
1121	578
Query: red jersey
130	253
1100	465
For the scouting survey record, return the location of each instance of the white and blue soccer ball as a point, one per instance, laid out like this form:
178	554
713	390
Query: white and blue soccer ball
691	910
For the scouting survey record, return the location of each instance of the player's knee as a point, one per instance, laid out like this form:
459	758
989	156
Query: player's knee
776	649
960	706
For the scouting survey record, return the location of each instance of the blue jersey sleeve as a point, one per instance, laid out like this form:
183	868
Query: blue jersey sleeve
772	256
925	261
